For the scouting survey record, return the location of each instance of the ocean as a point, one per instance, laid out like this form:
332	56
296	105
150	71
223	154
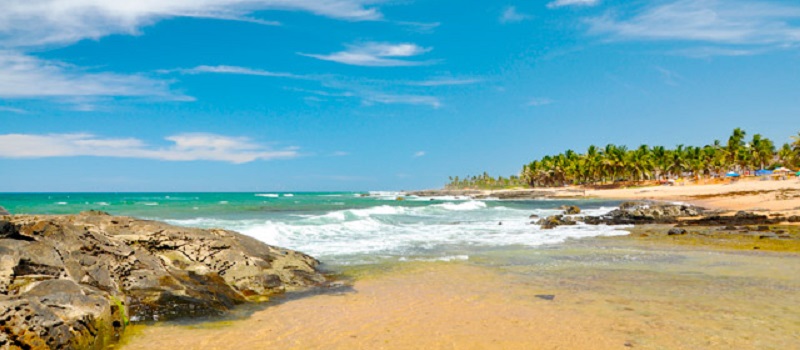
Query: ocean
342	228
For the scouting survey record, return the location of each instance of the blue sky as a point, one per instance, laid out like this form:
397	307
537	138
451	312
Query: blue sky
258	95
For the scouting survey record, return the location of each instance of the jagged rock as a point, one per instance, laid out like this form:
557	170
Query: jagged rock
73	281
3	211
533	216
570	209
637	213
551	222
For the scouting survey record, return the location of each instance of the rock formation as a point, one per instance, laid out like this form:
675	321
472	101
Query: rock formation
75	281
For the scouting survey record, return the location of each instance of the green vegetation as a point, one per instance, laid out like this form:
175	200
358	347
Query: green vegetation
615	164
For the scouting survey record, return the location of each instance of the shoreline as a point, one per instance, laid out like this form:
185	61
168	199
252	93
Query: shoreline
774	196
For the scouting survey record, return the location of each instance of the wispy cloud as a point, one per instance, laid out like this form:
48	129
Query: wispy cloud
25	76
233	70
731	22
12	110
562	3
183	147
369	98
420	27
374	54
445	82
510	15
711	51
539	101
419	154
340	154
46	22
32	24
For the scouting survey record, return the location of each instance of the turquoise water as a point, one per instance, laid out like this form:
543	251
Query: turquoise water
340	227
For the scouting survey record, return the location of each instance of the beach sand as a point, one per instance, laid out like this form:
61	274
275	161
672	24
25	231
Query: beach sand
607	294
751	194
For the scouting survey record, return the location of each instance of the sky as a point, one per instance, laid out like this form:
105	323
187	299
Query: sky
339	95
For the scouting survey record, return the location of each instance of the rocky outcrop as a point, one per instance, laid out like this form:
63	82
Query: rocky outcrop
3	211
75	281
570	209
637	213
554	221
741	218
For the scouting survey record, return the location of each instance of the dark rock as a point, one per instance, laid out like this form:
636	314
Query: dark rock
570	209
676	231
641	212
74	281
741	218
533	216
793	218
551	222
548	297
762	228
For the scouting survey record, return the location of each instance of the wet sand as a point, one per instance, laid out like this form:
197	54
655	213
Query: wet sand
611	293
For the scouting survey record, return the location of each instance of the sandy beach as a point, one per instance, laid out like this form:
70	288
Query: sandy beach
628	294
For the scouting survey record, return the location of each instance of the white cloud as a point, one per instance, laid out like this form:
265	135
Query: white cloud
711	21
419	154
539	101
233	70
183	147
370	98
24	76
445	82
12	110
510	15
562	3
25	23
375	54
28	24
340	154
709	51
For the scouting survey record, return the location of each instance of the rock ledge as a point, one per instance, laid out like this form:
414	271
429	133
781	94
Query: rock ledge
75	281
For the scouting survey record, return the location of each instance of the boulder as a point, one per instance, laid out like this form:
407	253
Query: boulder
570	209
551	222
74	281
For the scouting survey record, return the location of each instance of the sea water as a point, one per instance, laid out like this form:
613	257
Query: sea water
342	228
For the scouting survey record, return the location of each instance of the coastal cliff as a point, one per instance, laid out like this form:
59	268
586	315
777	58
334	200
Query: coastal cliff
75	281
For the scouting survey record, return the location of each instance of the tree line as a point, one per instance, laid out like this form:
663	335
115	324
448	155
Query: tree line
613	163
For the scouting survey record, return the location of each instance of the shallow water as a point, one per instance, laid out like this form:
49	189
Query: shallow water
606	294
339	228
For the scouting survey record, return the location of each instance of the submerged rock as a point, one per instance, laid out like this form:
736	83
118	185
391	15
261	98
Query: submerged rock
74	281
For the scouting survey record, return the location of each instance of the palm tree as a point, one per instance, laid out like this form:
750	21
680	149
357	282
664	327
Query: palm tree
735	143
